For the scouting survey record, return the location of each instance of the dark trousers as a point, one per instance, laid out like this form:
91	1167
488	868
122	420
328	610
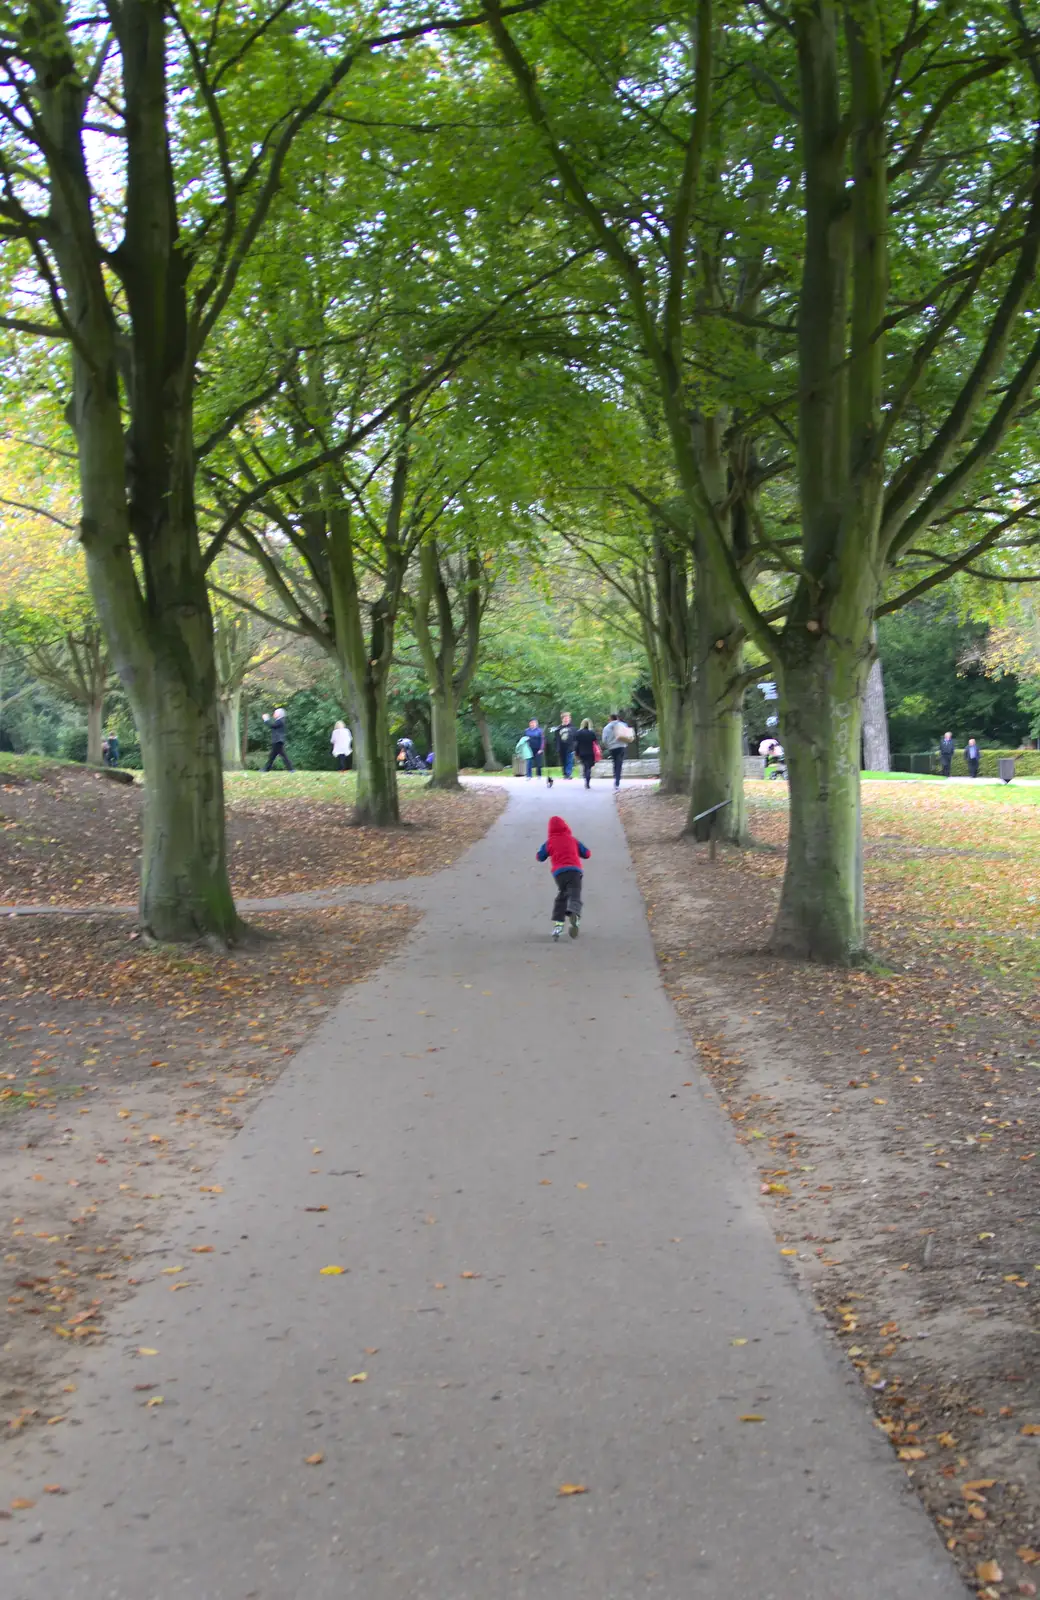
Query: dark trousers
617	755
587	764
276	751
568	894
945	762
567	762
343	762
973	768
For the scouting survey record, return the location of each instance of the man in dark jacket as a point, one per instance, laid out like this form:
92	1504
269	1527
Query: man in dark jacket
276	728
536	739
946	749
565	735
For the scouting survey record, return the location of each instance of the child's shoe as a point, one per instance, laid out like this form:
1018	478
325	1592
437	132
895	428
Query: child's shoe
573	929
557	929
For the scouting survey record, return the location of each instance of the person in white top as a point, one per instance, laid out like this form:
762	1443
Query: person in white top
342	745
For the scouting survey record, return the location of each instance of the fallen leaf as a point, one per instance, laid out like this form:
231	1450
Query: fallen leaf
332	1272
315	1208
22	1505
1028	1555
359	1377
738	1341
989	1572
570	1488
156	1400
211	1188
1031	1430
752	1416
202	1249
477	1275
913	1453
53	1488
315	1460
789	1252
146	1350
581	1185
168	1270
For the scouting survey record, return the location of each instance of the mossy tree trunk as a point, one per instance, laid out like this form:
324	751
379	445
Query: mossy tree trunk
449	646
137	480
491	761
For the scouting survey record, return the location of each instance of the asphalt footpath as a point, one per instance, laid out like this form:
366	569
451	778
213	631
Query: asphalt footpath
552	1276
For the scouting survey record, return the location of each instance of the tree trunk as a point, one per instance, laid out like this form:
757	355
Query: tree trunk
185	892
95	721
491	761
718	742
444	717
376	802
229	711
877	756
820	917
675	734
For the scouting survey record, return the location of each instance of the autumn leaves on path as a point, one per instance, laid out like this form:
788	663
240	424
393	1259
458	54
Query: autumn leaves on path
479	1304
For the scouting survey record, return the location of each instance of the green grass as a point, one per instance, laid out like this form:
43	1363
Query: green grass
324	787
31	1095
28	768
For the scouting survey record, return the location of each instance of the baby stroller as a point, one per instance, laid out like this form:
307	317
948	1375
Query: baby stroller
776	763
407	758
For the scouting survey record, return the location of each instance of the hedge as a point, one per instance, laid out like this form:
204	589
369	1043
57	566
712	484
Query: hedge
1027	763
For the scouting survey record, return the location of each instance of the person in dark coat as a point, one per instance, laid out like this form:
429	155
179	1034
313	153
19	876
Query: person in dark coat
946	750
276	728
972	755
565	736
536	739
585	749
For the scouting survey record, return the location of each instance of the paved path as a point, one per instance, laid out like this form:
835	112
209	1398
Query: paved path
552	1246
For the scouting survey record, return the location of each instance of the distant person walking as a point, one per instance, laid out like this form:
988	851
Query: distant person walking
342	745
946	753
617	736
276	728
110	750
565	854
536	747
972	755
586	749
566	734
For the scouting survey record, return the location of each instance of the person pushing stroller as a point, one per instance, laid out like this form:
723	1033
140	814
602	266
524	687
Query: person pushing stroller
565	854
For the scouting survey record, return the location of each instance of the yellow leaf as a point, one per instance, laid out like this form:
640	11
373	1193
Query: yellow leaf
211	1188
978	1483
332	1272
202	1249
168	1270
1031	1430
572	1488
146	1350
752	1416
469	1274
156	1400
314	1460
22	1505
581	1185
913	1453
53	1488
359	1377
1028	1555
989	1572
789	1252
947	1441
738	1341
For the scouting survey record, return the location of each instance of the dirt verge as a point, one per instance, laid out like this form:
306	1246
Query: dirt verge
71	837
894	1120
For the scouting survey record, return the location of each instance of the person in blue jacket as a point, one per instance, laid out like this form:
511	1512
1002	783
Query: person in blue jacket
536	739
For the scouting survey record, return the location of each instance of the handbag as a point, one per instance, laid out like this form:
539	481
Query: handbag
597	753
624	734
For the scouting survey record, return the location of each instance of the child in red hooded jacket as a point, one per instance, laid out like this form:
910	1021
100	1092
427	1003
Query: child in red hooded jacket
565	854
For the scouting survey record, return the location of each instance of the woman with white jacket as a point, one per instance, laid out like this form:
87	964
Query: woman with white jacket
342	745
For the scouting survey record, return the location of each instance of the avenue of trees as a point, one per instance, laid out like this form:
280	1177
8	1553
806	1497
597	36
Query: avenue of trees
387	333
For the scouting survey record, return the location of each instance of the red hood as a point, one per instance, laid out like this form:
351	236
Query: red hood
558	829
